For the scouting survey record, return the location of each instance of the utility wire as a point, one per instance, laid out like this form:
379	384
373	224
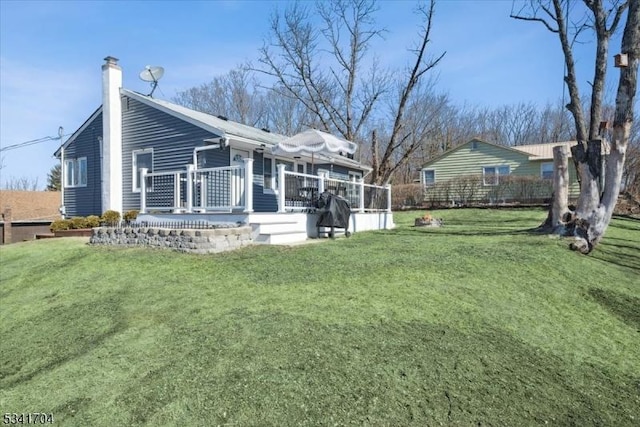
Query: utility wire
32	142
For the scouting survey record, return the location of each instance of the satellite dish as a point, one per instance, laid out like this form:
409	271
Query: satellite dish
152	74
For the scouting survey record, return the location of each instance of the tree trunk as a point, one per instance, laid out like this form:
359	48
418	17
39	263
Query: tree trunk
560	215
560	218
592	224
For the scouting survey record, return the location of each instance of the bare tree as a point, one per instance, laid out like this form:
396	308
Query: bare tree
331	71
595	207
235	95
21	184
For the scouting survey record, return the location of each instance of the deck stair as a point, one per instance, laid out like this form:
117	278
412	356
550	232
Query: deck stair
280	231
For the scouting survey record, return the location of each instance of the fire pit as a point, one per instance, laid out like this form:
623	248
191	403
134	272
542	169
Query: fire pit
428	221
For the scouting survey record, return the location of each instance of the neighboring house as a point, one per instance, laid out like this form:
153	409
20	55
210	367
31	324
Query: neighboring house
140	153
27	213
491	166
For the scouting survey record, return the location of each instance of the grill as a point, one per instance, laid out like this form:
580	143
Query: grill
334	213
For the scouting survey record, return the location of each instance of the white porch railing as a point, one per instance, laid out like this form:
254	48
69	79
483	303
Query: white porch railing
301	192
230	188
226	188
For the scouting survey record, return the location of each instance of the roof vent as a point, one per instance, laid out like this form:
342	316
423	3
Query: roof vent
266	130
221	117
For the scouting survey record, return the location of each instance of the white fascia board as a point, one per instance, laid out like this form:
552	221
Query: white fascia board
79	131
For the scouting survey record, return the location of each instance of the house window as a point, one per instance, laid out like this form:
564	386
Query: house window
491	174
267	172
288	166
270	171
355	176
141	159
546	170
474	145
75	172
428	177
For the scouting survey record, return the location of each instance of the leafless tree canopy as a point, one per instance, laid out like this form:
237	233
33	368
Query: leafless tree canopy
21	184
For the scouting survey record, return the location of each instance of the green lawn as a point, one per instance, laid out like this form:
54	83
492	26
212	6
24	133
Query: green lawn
477	323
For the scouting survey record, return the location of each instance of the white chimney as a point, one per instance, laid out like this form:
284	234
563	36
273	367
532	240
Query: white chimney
112	135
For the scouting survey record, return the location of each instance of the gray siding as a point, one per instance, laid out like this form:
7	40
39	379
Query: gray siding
172	140
83	201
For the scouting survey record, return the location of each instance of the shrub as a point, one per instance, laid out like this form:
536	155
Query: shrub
77	223
111	217
92	221
130	216
60	224
403	195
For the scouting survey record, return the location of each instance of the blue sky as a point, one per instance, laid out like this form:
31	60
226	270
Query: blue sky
51	53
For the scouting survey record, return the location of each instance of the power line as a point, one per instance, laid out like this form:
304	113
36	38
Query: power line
32	142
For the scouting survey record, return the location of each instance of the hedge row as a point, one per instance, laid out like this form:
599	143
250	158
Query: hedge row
91	221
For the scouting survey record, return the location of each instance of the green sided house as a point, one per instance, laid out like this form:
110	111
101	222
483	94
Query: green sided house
482	172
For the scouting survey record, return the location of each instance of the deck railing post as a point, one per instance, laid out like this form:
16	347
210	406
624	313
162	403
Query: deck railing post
388	187
248	185
281	189
321	177
176	191
190	178
361	201
143	190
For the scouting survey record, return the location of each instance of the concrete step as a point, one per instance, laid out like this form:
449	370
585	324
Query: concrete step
280	227
281	238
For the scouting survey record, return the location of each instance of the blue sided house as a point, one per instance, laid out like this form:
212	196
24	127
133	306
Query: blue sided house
169	162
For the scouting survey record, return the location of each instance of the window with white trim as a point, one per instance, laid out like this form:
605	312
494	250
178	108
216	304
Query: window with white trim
75	172
546	170
428	177
288	166
491	174
267	172
141	159
355	176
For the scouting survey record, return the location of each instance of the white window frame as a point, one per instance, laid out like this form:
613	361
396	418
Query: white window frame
497	174
474	145
424	178
74	174
268	188
273	181
135	185
542	171
354	176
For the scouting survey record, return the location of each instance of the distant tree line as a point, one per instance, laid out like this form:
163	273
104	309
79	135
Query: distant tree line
324	74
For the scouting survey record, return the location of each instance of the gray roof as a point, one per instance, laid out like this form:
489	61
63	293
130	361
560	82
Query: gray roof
208	122
233	130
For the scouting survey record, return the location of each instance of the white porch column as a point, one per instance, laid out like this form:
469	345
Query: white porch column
388	187
361	201
281	199
248	185
143	190
190	178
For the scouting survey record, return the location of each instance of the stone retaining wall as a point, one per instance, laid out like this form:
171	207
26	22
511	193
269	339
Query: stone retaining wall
193	241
